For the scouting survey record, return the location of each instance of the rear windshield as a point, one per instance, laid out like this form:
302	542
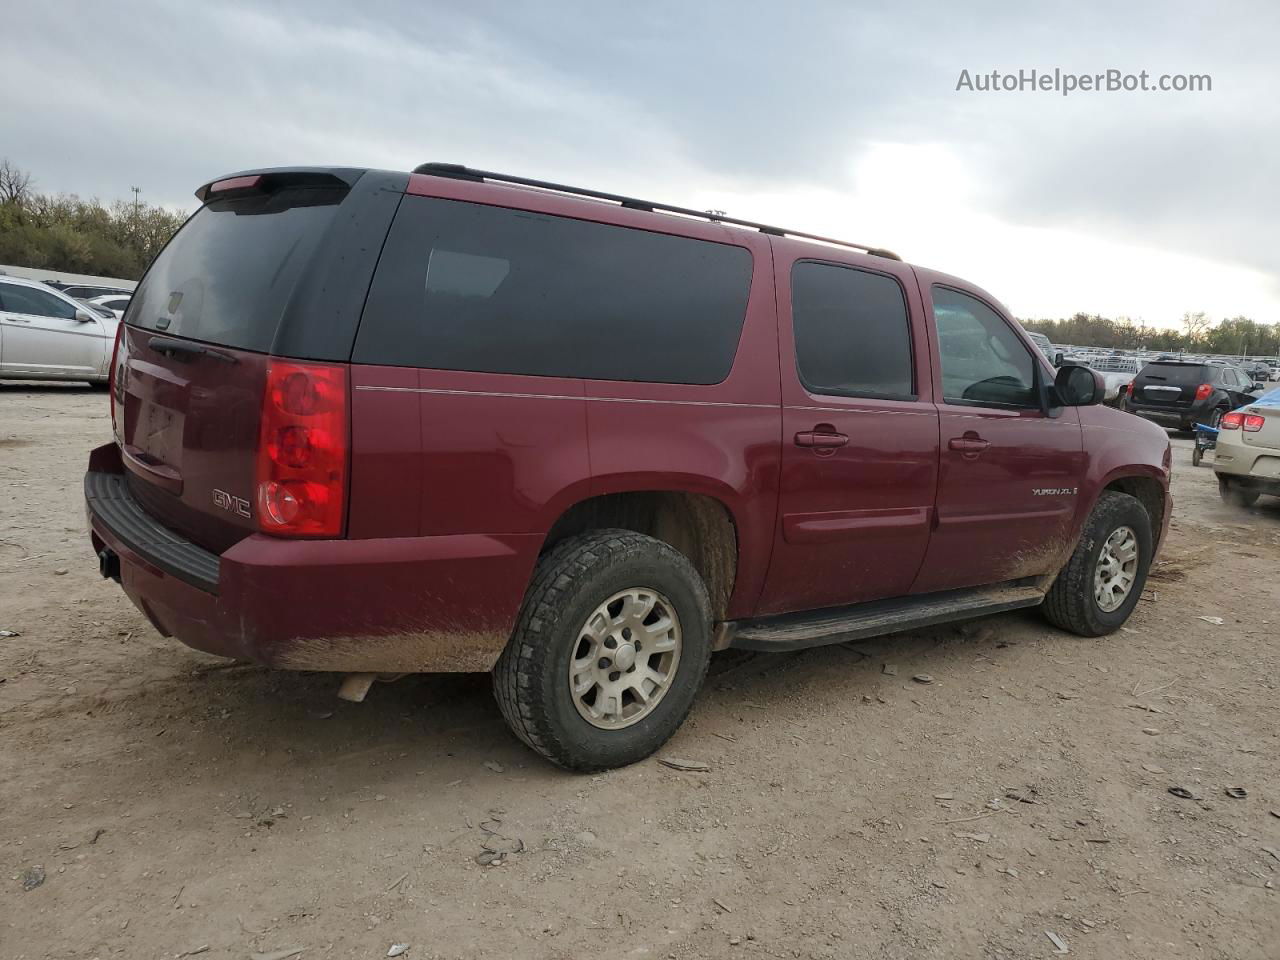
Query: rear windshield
228	274
1178	373
464	286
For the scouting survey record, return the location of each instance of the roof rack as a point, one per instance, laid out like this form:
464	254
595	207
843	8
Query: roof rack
459	172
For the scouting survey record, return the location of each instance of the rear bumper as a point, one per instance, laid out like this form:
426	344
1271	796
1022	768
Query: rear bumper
1254	465
1173	416
395	605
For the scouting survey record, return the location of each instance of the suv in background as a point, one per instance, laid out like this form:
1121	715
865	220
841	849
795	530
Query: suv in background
1180	394
379	423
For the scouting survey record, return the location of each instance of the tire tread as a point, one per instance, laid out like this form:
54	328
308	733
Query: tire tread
558	573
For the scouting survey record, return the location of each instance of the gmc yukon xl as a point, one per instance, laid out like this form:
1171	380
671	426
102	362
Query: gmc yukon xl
378	423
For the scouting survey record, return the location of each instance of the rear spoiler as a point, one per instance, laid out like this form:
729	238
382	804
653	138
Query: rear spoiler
267	181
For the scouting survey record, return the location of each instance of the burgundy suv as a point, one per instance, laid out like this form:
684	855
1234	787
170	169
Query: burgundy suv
382	423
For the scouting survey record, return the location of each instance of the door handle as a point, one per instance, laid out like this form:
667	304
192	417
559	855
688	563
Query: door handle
16	320
823	439
970	446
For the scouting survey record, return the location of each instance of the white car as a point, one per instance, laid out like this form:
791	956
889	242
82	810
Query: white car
1246	456
115	302
1117	373
47	335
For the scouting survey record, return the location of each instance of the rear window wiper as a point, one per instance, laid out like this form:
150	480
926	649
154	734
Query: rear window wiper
182	349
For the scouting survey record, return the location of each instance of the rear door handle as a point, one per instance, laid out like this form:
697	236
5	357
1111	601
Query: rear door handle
820	438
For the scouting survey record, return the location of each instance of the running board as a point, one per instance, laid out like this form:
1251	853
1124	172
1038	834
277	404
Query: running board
795	631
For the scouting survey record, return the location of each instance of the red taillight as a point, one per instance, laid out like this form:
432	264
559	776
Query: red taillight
302	452
251	182
1231	421
1253	422
113	381
1204	391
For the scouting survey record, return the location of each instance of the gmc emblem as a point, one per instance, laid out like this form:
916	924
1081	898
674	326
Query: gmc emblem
237	505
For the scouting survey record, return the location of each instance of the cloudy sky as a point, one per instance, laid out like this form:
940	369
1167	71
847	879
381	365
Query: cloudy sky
839	118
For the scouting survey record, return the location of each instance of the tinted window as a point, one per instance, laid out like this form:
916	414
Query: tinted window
463	286
1179	373
36	303
851	331
228	274
983	360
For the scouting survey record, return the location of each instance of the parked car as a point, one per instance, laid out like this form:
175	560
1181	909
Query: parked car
1247	457
377	423
1180	394
1117	376
83	291
47	335
1045	346
117	303
1257	370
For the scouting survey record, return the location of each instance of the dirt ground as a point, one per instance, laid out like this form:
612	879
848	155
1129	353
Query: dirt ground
178	805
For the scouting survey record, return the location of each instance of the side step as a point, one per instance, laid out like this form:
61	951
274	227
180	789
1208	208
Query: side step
795	631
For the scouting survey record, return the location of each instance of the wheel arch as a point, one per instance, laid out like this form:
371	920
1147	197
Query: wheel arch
1148	491
700	526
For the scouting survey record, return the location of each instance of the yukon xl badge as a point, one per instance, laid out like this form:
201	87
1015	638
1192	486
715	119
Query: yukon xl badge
1053	491
237	505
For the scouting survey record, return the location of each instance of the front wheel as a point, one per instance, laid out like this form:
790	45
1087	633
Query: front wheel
1100	585
610	649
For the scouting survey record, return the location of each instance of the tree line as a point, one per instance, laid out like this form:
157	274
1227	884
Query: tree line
1234	336
65	233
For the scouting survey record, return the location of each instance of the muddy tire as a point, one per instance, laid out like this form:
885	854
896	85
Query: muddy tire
1101	584
609	651
1234	495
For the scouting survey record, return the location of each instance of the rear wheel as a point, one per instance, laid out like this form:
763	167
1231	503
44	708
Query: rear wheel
1196	454
1100	585
1234	495
609	652
1215	417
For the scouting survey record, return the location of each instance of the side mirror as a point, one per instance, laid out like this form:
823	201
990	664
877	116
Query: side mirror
1079	387
1257	386
1058	358
84	316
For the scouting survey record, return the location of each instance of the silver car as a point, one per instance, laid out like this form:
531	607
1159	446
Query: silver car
47	335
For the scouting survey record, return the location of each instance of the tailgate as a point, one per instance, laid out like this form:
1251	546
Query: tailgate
188	419
276	265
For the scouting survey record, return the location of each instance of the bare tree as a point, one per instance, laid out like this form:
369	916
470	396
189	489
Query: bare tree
1196	325
15	184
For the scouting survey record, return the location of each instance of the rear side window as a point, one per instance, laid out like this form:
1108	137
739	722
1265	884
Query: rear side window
851	332
228	274
36	303
464	286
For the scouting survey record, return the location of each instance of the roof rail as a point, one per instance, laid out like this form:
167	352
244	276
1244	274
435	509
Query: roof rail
459	172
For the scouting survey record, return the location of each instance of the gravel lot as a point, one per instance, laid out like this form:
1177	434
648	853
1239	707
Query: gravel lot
180	805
